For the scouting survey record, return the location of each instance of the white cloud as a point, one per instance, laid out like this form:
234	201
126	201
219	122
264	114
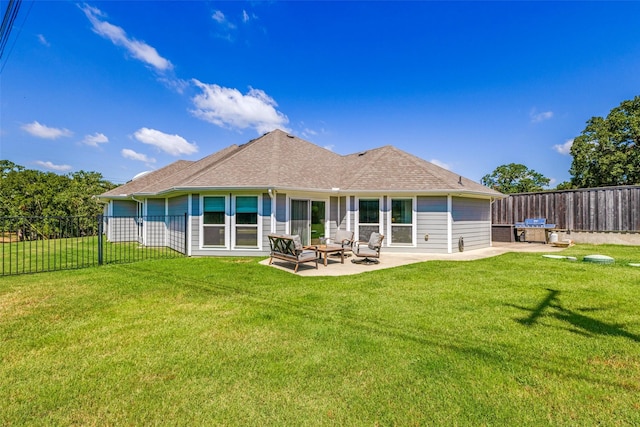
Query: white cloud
218	16
95	139
564	148
118	36
227	107
172	144
225	27
540	117
173	83
329	147
441	164
42	131
43	41
130	154
245	16
51	166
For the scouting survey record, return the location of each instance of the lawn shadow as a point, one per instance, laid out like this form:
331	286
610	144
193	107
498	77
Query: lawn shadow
551	306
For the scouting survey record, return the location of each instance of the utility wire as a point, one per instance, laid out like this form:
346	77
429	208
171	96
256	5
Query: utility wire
7	23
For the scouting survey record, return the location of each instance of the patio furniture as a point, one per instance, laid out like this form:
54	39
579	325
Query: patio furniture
289	248
368	251
328	249
343	238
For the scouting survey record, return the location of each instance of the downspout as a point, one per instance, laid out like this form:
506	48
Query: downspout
491	201
449	224
136	200
272	196
144	234
188	230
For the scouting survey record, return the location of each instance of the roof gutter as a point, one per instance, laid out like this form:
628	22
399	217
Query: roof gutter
333	190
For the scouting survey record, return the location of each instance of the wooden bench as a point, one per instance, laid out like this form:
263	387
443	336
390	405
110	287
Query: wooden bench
289	248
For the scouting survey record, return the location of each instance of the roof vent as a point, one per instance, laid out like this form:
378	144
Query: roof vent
460	181
362	154
290	136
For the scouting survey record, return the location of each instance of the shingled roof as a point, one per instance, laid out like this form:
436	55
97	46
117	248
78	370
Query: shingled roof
144	181
282	161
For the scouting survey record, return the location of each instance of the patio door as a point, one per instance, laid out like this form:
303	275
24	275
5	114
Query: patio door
317	222
301	220
308	218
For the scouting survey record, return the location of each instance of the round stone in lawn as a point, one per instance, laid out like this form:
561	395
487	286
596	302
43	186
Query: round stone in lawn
598	259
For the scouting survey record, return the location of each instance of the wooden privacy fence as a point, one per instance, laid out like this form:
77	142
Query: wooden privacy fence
606	209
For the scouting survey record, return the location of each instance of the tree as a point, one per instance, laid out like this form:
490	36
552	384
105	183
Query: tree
27	192
565	185
515	178
607	152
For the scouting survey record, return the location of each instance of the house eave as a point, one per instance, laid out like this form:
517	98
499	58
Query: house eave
332	191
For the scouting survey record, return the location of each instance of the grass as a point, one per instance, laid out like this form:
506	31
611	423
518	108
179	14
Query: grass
33	256
513	340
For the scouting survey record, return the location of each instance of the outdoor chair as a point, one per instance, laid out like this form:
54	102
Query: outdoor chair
343	238
369	252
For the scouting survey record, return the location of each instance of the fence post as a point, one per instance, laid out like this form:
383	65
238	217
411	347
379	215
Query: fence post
100	230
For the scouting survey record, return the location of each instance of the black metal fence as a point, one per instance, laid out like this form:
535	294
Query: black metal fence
39	244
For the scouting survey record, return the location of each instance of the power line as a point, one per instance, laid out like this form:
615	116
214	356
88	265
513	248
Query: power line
7	23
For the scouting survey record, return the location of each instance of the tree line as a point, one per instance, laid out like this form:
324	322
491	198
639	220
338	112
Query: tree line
32	193
606	153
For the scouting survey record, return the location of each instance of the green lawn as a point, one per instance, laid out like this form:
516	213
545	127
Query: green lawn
70	253
513	340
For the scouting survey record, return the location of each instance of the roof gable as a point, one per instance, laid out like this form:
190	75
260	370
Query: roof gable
275	159
389	168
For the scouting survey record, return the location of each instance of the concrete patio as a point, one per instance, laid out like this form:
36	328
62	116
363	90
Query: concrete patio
395	259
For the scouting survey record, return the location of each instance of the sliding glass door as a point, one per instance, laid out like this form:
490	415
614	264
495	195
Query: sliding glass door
317	222
300	220
308	220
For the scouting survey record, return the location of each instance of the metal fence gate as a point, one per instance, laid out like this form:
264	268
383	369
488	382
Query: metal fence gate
39	244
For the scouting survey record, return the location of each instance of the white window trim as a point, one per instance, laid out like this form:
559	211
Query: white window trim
204	247
413	224
356	213
258	225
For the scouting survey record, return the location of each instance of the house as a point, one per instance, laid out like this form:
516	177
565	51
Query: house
279	183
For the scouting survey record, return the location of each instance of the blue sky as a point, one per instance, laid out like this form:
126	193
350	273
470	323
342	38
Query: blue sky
122	87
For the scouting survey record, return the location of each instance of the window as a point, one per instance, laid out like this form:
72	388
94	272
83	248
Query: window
246	227
368	218
214	221
402	221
